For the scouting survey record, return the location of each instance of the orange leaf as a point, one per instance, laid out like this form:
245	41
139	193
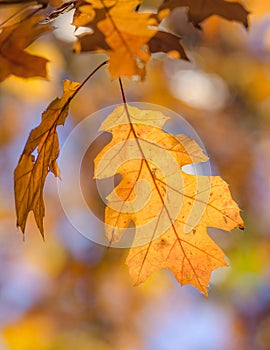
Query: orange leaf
13	57
170	208
124	35
125	32
31	172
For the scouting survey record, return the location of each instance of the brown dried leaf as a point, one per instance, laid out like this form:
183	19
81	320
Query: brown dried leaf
86	16
31	172
199	10
13	57
168	43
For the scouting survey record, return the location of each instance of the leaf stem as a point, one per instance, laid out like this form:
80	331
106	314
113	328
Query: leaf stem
87	78
122	91
71	98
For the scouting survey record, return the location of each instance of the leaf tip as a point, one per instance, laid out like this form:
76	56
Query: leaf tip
205	293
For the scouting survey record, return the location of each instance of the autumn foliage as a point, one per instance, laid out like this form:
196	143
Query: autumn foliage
169	231
170	208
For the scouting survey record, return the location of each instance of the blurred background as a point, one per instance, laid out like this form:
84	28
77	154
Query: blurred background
68	292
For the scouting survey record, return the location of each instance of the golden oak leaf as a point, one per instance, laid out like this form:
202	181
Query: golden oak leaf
13	57
120	4
126	33
170	208
199	10
31	172
93	11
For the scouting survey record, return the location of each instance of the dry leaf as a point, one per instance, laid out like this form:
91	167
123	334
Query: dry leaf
86	16
124	35
13	57
31	171
168	43
170	208
199	10
124	31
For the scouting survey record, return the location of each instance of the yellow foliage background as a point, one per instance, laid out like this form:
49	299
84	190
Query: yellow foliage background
71	293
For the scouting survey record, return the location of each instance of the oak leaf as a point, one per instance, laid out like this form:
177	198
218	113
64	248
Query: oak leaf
31	171
199	10
126	36
125	32
87	16
170	209
14	39
168	43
